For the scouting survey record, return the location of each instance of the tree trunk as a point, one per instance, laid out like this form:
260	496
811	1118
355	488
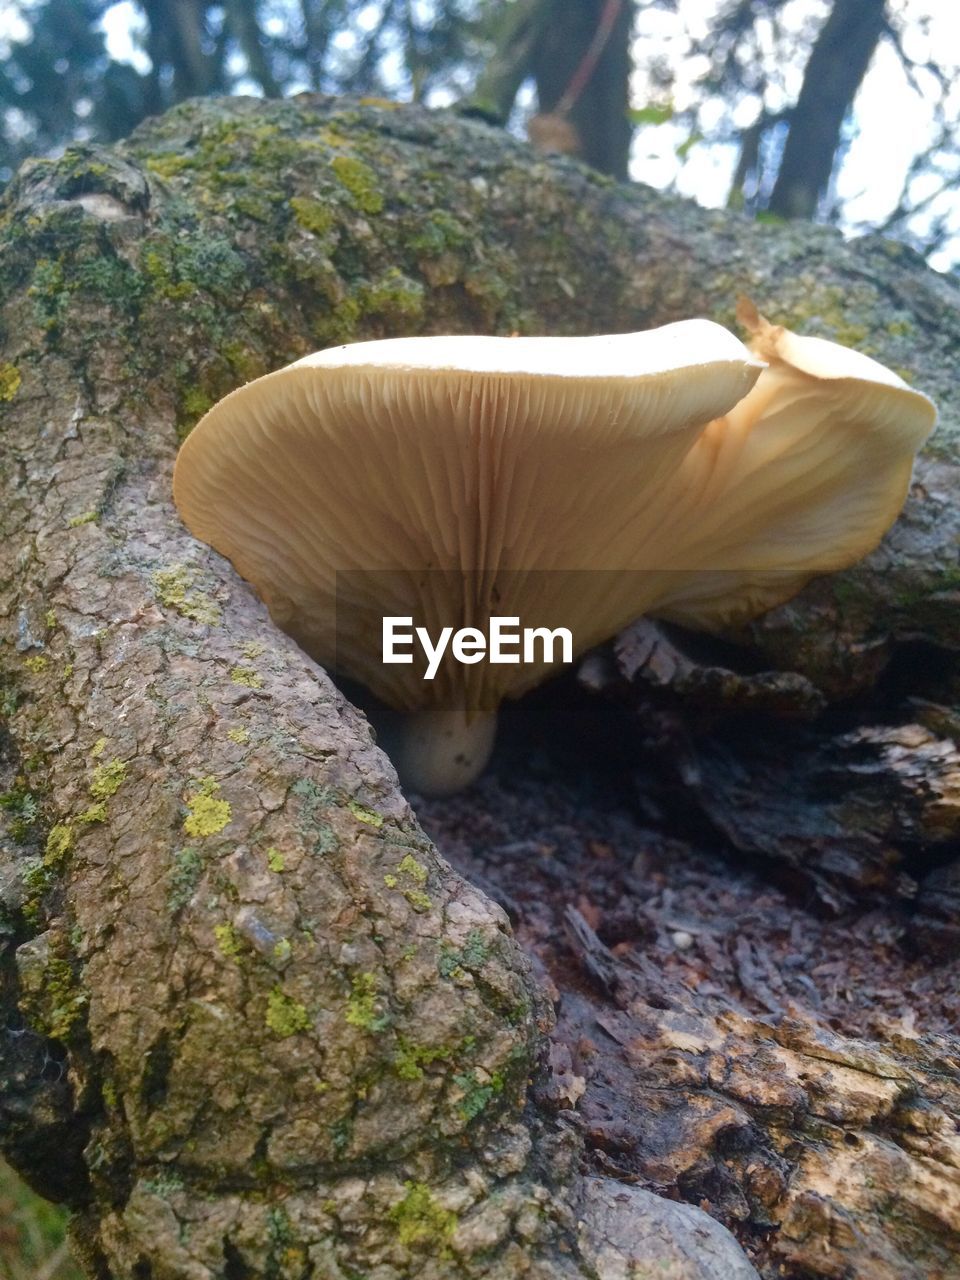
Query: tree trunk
515	31
269	1031
599	114
833	74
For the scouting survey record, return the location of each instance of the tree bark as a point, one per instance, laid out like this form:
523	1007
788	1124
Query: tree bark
268	1030
840	1152
833	75
855	815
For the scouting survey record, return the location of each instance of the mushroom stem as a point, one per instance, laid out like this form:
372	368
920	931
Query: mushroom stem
441	750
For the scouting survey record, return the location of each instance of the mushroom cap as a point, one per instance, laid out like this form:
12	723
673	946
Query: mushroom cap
451	478
803	476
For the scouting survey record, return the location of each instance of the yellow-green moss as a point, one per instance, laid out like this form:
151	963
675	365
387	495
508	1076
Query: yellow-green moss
107	779
247	677
363	1005
206	815
172	588
899	328
9	381
410	1059
282	950
313	215
36	664
415	870
99	747
59	843
93	813
394	296
361	182
341	321
49	294
285	1017
85	517
228	940
369	816
422	1222
245	362
418	900
831	307
159	270
170	163
58	1004
194	403
275	859
238	735
253	649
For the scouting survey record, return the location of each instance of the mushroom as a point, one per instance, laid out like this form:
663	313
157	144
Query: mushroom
802	477
448	479
564	482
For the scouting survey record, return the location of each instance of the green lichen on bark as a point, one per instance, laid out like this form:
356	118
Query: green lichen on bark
285	1016
107	779
365	1007
360	180
59	843
247	677
207	813
175	588
9	381
421	1222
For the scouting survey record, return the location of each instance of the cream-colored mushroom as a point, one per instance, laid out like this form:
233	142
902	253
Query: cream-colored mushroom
802	477
568	482
450	479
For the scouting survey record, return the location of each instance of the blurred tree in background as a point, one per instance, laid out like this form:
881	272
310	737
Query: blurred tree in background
33	1242
752	101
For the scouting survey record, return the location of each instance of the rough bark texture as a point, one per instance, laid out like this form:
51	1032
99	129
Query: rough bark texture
845	1151
268	1031
856	806
716	1040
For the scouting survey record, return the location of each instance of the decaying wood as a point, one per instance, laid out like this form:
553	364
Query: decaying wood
796	1076
253	1024
843	1152
853	814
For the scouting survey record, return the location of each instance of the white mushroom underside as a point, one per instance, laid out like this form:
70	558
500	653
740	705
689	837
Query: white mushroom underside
349	487
354	490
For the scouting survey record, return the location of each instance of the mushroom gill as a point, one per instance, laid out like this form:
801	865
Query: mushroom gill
567	482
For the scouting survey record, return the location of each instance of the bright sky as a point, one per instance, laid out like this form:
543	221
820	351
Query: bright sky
893	119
